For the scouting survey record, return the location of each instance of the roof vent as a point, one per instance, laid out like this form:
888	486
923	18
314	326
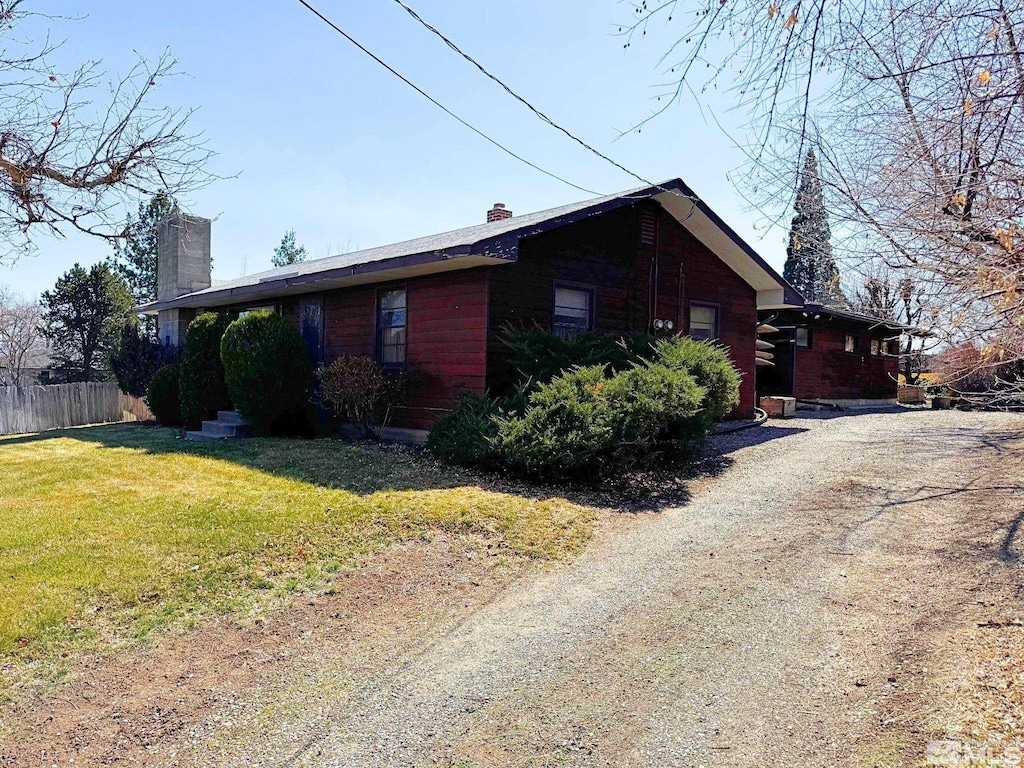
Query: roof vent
498	213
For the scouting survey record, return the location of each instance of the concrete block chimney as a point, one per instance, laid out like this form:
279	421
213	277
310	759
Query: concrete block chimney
498	213
183	266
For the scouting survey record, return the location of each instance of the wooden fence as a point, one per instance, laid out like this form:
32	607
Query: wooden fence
34	409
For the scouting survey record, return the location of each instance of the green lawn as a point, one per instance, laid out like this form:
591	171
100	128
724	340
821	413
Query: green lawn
109	532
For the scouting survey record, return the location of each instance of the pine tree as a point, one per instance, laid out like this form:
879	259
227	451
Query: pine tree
810	265
135	254
288	252
82	317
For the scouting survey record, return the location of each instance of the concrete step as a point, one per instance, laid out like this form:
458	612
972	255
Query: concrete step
200	437
222	429
231	417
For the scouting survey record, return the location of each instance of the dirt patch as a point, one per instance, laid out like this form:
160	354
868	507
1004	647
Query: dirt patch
151	704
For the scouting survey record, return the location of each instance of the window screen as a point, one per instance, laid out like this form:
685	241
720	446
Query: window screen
703	321
573	311
391	327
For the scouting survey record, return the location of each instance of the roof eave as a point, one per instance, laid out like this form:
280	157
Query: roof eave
431	262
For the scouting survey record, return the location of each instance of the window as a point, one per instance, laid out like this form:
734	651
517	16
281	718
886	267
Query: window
573	311
703	321
271	308
803	337
875	347
391	327
851	343
892	347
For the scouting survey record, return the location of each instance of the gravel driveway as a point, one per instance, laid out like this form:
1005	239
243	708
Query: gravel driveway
779	618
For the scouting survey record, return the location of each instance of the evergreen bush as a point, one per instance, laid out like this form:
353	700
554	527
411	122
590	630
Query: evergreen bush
267	372
202	385
709	365
135	360
163	398
464	435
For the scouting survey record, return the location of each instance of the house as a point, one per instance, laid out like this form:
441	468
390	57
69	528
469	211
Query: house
654	259
828	354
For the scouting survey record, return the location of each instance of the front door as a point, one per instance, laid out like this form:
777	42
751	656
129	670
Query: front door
311	327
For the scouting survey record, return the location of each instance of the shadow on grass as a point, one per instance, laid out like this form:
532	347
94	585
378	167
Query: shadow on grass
330	463
369	467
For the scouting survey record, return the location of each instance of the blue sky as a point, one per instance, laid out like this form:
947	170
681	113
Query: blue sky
312	135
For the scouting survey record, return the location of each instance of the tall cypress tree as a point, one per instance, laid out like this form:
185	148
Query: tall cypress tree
810	265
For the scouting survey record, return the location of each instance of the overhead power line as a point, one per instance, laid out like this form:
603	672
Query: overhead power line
437	103
519	98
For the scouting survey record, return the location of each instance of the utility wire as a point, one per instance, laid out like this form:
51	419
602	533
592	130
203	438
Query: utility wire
519	98
438	104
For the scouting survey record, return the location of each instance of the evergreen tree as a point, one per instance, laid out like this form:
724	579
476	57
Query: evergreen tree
810	265
83	317
288	252
136	253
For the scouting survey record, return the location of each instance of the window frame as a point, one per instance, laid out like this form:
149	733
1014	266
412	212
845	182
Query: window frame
378	328
587	288
707	305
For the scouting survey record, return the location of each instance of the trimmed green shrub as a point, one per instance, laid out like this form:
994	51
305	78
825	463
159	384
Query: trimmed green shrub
651	405
584	422
565	427
361	391
638	398
267	372
202	385
538	356
163	398
709	364
464	435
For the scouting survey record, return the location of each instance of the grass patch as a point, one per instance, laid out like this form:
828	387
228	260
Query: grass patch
108	533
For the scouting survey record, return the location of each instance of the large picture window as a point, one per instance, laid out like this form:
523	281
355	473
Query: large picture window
574	311
703	321
391	327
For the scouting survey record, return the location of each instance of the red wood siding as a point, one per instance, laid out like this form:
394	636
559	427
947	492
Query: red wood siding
827	371
707	279
605	253
446	338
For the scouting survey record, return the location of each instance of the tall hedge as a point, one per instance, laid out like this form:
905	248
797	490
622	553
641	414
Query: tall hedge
268	374
201	375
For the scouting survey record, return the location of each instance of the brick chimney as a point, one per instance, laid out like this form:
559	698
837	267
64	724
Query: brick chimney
498	213
183	266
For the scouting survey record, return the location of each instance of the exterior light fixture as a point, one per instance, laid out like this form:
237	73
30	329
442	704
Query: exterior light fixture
659	324
669	325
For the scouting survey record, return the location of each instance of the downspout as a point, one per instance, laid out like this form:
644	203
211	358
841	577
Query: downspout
657	259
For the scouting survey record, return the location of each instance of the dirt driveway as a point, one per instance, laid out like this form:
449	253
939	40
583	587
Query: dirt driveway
798	611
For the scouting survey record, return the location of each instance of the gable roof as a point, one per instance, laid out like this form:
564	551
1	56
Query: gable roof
492	243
